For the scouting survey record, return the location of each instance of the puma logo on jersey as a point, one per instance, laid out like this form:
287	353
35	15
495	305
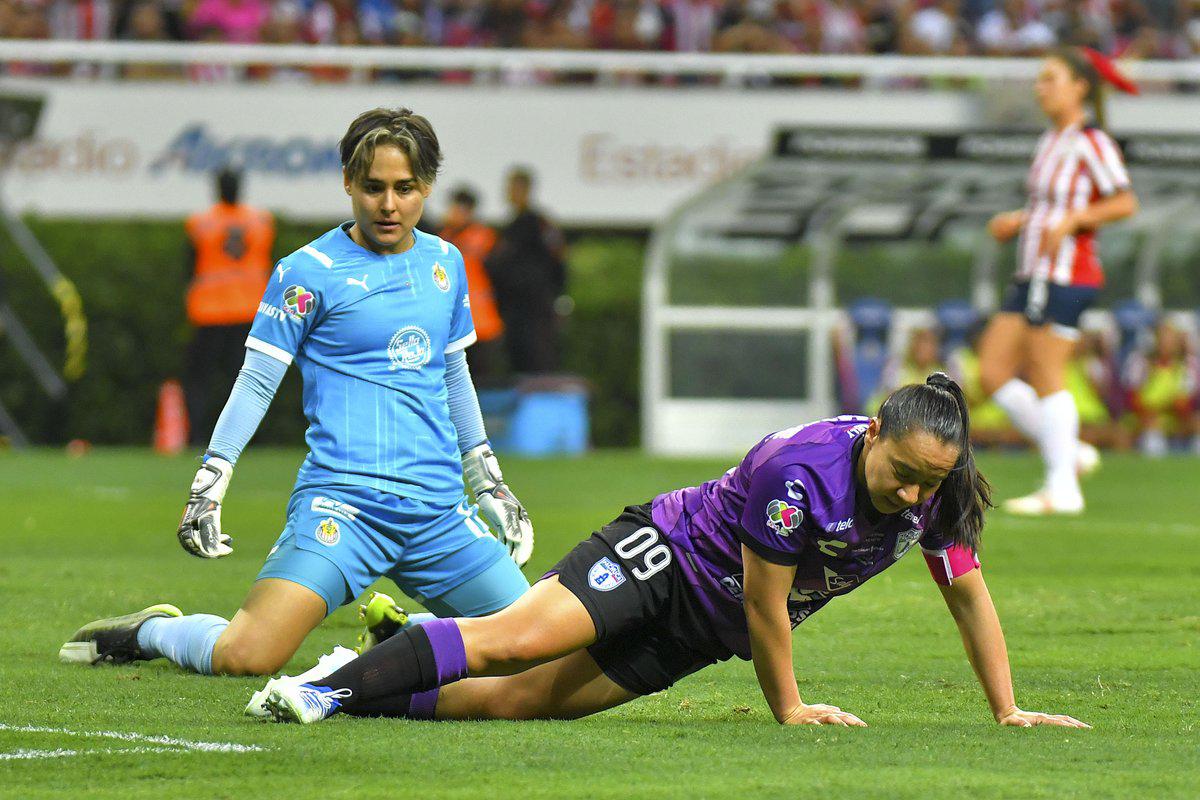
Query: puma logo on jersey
281	270
357	282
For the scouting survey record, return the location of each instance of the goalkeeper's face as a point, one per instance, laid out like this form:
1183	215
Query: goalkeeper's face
387	201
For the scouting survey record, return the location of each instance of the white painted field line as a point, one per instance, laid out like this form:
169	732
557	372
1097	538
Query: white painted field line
185	744
29	755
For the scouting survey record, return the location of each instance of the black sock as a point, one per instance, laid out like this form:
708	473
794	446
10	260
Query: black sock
396	705
401	665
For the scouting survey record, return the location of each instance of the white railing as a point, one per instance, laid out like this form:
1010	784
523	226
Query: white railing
603	63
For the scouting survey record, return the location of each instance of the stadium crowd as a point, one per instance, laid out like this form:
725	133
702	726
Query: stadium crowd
1145	394
1129	28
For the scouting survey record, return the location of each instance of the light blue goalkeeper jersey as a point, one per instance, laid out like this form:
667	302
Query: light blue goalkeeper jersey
370	334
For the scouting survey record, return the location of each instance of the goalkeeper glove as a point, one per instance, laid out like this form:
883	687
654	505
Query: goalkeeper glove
200	529
499	506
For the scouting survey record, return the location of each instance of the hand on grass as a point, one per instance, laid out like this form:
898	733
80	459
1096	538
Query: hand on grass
1027	719
821	714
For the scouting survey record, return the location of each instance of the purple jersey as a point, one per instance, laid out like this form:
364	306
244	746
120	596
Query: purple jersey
792	500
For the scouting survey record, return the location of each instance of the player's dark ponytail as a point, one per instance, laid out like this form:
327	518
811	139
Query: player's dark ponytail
938	407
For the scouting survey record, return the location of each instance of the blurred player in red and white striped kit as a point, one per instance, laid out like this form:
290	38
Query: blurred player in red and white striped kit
1077	184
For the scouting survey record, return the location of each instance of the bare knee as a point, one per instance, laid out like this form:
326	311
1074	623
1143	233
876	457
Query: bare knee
997	366
1000	351
992	376
520	651
240	657
501	651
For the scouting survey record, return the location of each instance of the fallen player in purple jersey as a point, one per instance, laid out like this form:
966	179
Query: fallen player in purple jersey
705	573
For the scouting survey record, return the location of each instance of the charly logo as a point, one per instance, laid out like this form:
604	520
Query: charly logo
298	301
605	575
409	348
329	532
440	277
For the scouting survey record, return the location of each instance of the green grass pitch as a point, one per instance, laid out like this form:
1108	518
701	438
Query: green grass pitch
1102	615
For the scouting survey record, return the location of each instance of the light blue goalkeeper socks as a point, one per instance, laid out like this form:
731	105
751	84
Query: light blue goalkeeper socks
187	641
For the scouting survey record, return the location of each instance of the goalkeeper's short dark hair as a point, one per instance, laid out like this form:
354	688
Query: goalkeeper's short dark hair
398	127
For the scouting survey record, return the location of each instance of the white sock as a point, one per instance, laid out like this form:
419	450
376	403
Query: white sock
1020	402
1058	443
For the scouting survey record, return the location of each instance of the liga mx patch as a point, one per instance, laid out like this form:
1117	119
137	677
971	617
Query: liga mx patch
605	575
298	301
783	518
329	532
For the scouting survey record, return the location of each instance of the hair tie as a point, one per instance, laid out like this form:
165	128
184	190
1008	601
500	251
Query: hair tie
1107	70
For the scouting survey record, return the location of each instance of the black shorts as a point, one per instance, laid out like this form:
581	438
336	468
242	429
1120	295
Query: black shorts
1049	303
649	632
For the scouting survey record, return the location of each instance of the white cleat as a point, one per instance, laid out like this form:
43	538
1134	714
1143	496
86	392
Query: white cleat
289	701
1043	504
1087	459
326	665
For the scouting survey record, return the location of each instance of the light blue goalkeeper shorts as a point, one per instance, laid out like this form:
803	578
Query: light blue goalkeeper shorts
338	540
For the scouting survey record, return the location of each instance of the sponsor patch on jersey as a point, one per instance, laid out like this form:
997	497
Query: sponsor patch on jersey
605	575
904	541
327	505
409	348
329	532
836	583
440	278
271	312
298	301
783	518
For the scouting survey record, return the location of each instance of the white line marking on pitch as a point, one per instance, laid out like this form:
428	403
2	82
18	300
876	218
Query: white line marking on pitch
170	742
27	755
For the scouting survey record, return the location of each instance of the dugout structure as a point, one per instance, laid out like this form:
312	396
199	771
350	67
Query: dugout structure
744	282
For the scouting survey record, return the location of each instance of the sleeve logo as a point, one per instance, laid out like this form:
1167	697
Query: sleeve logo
783	518
605	575
298	301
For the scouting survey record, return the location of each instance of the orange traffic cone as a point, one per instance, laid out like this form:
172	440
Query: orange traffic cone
171	421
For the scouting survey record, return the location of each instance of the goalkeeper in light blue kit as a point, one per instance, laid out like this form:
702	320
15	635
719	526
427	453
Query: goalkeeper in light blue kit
376	315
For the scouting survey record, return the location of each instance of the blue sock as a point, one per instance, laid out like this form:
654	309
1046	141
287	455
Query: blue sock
187	641
419	619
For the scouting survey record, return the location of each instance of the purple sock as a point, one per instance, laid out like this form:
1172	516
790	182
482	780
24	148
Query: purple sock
423	705
449	654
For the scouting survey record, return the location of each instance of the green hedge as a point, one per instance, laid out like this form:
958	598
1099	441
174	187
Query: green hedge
131	277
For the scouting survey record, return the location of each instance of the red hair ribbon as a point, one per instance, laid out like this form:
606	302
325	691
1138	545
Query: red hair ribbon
1107	70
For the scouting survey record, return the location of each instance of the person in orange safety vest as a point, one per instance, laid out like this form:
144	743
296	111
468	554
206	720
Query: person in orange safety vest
230	260
475	241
